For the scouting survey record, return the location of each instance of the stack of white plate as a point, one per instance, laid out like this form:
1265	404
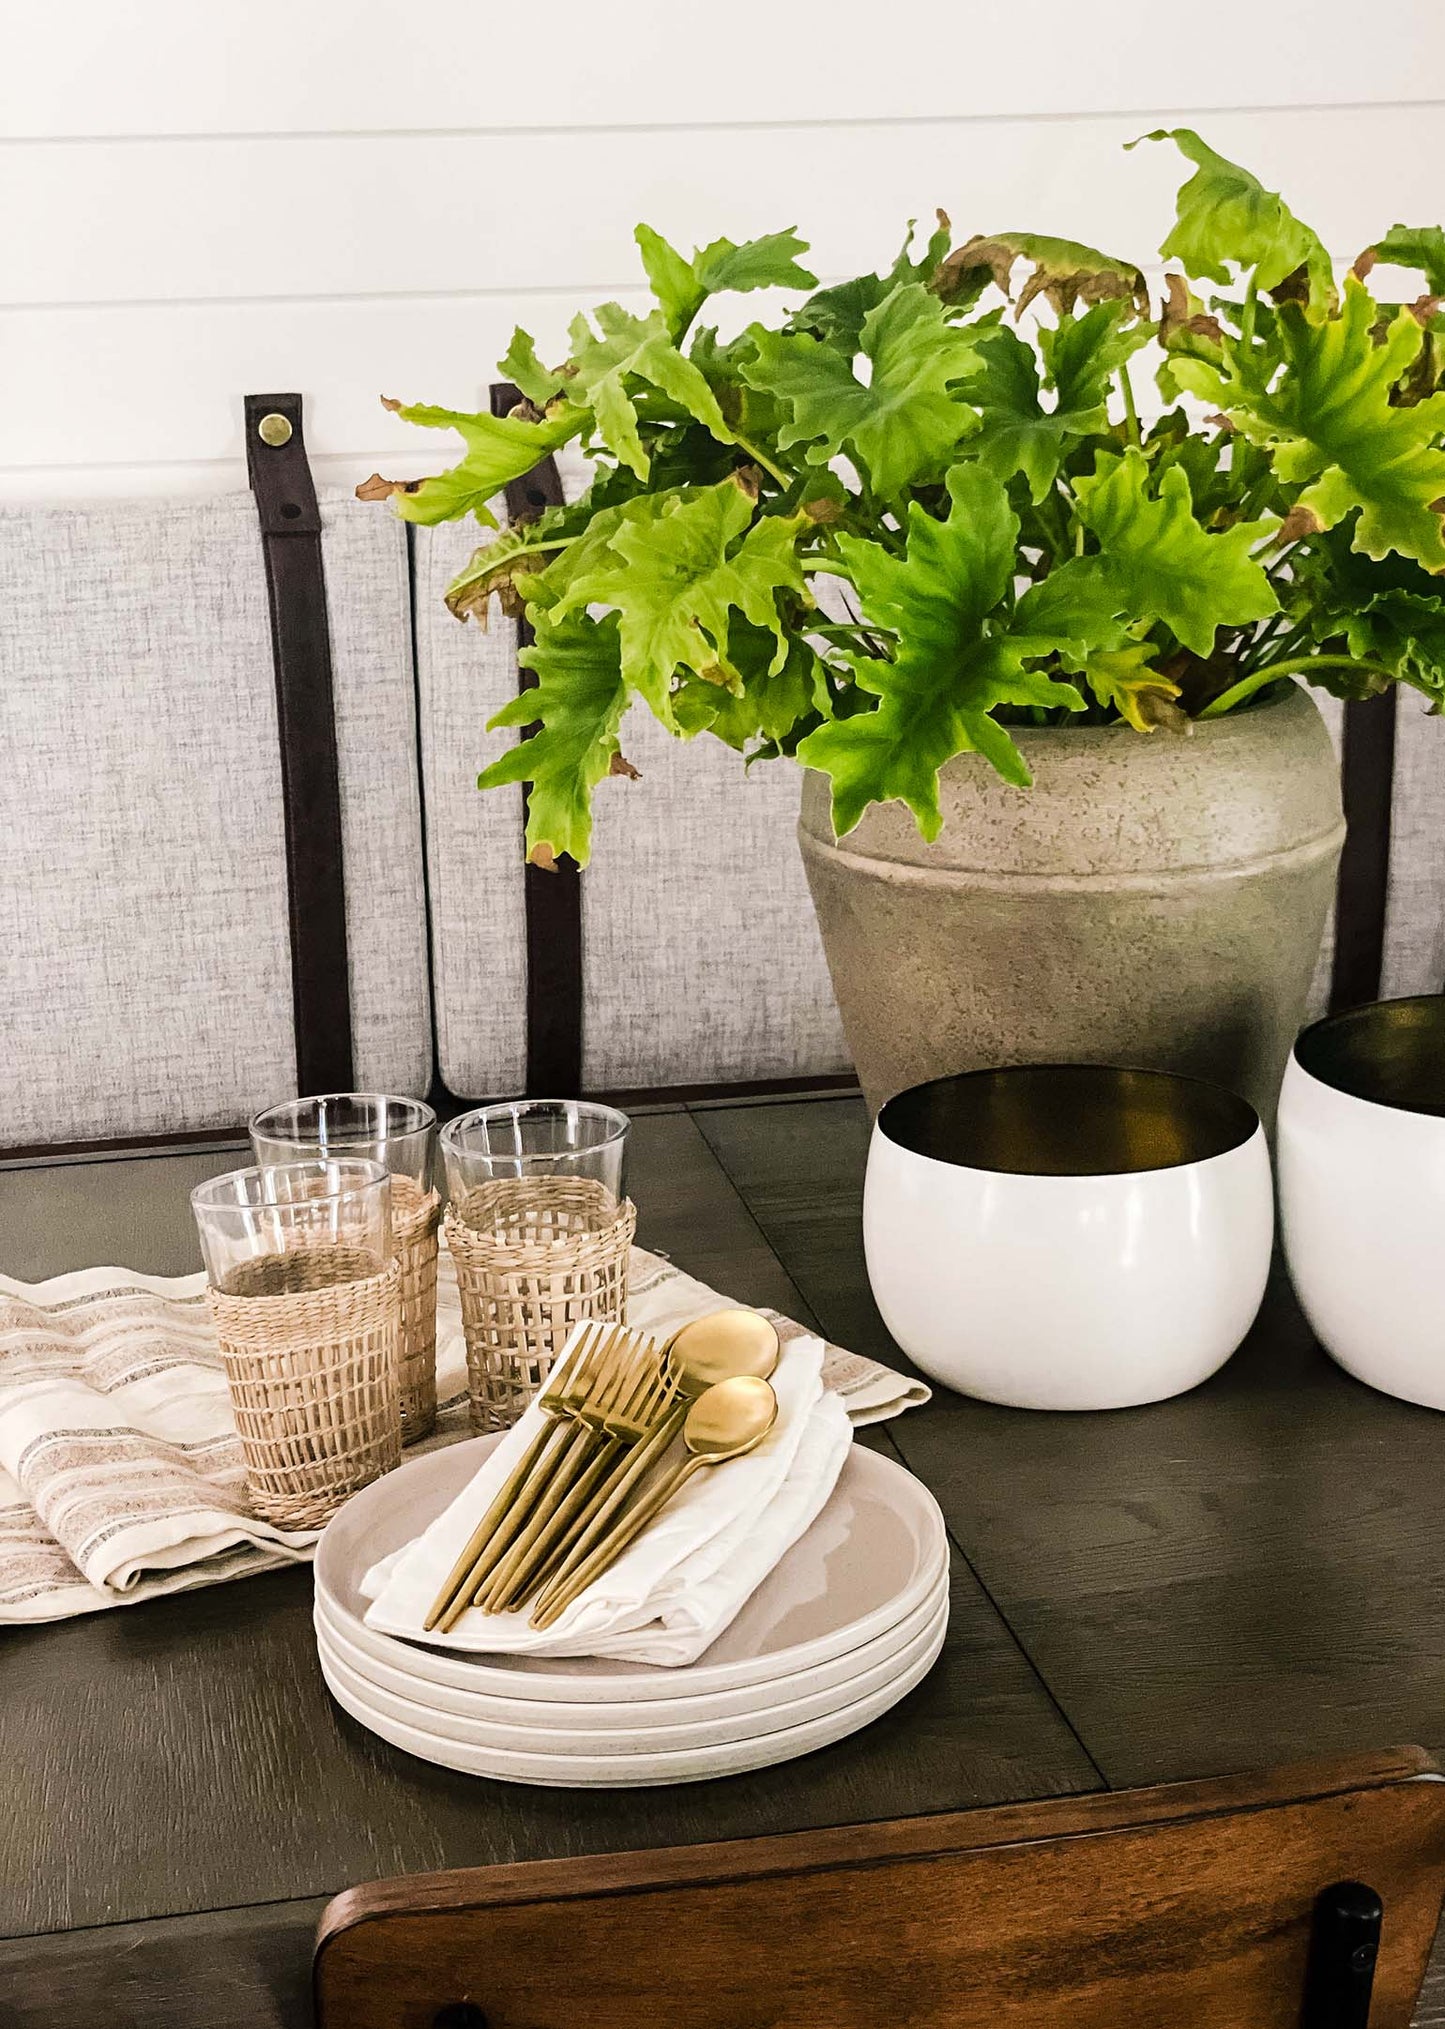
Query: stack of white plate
847	1623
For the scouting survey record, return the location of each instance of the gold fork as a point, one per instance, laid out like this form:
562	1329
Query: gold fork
710	1349
566	1385
727	1421
634	1468
620	1423
567	1453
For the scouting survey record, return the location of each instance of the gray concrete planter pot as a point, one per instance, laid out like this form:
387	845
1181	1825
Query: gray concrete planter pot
1153	900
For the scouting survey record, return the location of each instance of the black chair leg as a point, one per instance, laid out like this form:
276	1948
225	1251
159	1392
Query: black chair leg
1344	1944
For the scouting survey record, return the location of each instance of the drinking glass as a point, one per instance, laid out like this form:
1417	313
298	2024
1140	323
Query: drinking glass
262	1228
541	1236
397	1133
545	1141
305	1295
400	1135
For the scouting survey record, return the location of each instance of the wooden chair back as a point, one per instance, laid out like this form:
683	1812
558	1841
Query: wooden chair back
1191	1904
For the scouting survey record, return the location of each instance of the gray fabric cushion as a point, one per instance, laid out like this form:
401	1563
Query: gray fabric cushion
473	841
1333	713
1414	958
145	967
1415	917
702	955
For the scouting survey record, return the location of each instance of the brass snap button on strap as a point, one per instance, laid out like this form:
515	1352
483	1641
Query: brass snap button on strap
274	430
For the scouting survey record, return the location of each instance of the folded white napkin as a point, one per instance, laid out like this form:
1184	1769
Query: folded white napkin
679	1584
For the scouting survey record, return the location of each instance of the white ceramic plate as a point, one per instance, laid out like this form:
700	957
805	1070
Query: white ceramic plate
391	1664
870	1559
549	1731
627	1771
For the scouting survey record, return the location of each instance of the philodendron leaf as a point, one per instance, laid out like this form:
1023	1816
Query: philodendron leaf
540	384
1331	426
1161	563
1227	219
579	697
957	656
1063	272
901	424
767	263
1084	600
836	315
636	348
1410	246
499	450
1018	433
1390	614
494	570
675	570
682	286
763	702
1082	354
1122	679
1403	632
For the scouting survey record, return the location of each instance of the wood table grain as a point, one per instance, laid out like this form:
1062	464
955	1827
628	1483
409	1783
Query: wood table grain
1243	1576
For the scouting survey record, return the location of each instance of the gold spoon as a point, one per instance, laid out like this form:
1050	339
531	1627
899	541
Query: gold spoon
721	1347
726	1421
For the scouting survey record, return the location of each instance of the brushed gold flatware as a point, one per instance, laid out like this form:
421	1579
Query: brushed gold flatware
622	1371
568	1384
720	1347
618	1419
726	1421
608	1380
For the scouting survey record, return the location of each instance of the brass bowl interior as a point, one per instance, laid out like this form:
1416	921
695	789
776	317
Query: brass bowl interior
1391	1052
1068	1120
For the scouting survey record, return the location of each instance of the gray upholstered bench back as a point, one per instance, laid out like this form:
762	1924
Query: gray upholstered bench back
145	968
145	960
1402	815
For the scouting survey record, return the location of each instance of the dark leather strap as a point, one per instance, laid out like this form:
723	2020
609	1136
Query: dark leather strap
553	896
1368	780
301	650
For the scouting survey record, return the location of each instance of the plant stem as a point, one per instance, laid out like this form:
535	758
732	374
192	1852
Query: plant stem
1126	389
1246	317
1297	665
1271	642
1052	521
758	459
553	542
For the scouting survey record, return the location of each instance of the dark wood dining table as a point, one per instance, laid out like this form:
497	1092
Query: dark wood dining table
1249	1574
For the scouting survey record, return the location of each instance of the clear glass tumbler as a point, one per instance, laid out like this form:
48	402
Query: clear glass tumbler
543	1141
261	1229
306	1299
400	1134
540	1233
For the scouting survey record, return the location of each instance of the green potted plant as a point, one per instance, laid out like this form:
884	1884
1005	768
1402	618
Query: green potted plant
916	534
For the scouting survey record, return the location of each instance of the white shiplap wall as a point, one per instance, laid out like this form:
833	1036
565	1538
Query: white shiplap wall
197	201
